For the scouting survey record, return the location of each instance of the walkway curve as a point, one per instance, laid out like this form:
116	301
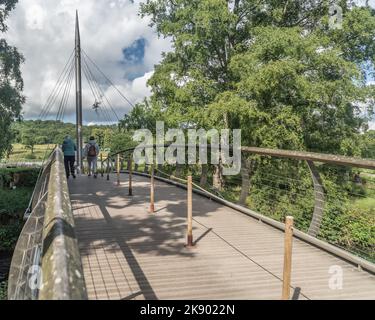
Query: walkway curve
128	253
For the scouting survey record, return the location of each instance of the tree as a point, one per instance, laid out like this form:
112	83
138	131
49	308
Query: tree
142	116
99	133
11	83
275	69
121	141
202	76
272	68
367	144
30	139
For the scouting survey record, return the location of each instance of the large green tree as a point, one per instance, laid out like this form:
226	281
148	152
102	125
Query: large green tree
273	68
276	69
11	84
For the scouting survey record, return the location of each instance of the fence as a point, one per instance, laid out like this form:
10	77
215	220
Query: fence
331	197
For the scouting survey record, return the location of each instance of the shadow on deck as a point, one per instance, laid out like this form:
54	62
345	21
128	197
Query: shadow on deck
128	253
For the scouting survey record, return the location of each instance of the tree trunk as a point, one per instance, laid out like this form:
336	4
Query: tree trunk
204	172
160	168
217	178
136	167
317	216
246	170
178	172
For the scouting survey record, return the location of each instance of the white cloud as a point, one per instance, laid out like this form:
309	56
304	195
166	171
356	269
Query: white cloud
44	32
35	18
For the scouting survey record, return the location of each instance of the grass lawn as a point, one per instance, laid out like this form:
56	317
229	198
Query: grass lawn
20	153
367	202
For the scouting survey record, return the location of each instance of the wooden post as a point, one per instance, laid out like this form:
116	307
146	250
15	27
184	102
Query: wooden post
130	176
101	164
107	168
152	206
288	241
118	169
189	212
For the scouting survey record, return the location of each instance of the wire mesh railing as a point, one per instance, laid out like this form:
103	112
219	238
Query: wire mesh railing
46	263
332	198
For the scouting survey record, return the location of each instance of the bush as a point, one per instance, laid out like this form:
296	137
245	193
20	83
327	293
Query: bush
13	203
26	176
3	290
9	235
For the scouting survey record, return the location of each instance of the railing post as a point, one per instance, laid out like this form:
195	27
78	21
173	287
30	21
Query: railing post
101	165
288	241
189	212
152	206
130	176
118	169
107	168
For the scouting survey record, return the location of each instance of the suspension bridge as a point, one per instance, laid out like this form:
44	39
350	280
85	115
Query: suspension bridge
165	232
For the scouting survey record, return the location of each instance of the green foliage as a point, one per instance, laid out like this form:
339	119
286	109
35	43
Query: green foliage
9	234
11	83
276	70
6	7
13	203
142	116
32	132
3	290
121	141
29	139
31	156
278	195
27	176
20	153
350	227
367	144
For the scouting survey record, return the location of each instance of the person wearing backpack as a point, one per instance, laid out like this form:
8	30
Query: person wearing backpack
91	152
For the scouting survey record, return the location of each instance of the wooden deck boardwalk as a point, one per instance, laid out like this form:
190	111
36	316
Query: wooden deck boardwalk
128	253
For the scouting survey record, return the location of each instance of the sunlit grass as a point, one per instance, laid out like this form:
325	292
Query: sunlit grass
21	153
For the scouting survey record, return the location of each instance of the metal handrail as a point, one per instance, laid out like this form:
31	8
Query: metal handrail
309	236
290	154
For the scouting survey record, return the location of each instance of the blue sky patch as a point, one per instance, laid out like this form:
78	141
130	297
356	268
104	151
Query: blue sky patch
135	53
133	59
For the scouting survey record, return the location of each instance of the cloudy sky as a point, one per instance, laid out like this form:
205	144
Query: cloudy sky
112	34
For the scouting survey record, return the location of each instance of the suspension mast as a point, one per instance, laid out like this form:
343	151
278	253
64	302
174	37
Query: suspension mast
78	96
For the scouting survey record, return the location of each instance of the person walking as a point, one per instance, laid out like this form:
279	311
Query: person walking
69	148
91	153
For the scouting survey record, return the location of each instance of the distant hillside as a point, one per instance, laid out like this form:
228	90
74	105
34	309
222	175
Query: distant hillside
53	132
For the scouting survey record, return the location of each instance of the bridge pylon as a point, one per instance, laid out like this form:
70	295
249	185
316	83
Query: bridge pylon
78	81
